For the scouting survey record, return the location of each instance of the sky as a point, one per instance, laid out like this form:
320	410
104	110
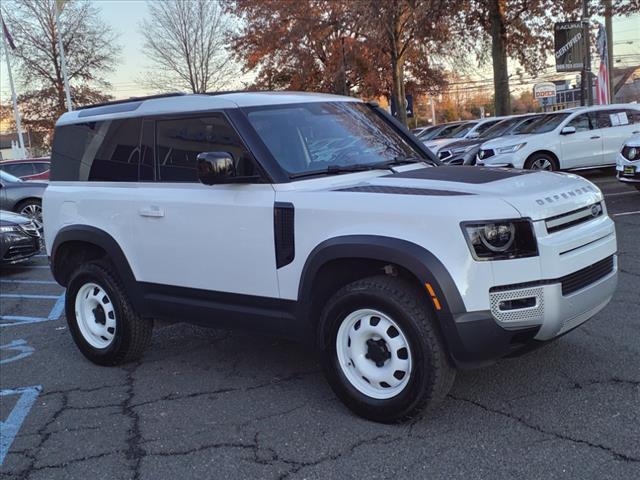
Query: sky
124	17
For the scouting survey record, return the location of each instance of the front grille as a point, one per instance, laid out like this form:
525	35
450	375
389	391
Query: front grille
585	277
30	229
573	218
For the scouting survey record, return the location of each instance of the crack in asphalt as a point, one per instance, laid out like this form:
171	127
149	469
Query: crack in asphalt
134	452
539	429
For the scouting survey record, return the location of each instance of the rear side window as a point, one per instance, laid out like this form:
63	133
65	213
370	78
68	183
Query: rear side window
180	141
40	167
97	151
19	169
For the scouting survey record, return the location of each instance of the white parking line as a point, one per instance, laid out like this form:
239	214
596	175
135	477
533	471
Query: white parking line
27	266
618	194
38	282
19	295
626	213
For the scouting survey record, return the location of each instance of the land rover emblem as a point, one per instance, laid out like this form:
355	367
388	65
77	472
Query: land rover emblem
596	210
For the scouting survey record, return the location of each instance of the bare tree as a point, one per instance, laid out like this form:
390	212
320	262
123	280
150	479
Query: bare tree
185	42
90	50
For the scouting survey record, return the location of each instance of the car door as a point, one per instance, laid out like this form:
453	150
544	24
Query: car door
582	148
616	127
218	238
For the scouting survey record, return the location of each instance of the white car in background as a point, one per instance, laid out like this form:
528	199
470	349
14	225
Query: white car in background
628	162
583	137
471	129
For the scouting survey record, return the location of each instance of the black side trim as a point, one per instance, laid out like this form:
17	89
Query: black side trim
401	190
214	309
462	174
284	232
100	238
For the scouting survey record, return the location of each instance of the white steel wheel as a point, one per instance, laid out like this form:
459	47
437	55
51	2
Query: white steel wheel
95	315
373	354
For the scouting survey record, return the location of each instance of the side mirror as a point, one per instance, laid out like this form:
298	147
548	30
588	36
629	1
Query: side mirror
215	167
568	130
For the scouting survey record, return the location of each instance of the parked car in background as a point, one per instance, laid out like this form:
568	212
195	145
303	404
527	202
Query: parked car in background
464	151
439	131
420	130
28	168
471	129
19	238
21	197
628	162
583	137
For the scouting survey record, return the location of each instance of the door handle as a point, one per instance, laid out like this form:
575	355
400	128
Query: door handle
152	211
595	137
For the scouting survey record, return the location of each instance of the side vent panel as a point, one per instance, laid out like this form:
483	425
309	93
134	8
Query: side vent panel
283	227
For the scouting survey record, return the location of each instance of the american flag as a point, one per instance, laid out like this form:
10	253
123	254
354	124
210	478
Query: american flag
602	84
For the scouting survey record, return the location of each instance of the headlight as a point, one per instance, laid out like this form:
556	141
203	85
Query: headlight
631	153
8	229
501	239
510	148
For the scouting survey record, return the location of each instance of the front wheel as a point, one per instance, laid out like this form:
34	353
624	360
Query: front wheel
382	354
102	321
541	161
31	209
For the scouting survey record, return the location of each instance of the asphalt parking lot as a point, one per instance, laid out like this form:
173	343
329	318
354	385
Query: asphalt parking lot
212	404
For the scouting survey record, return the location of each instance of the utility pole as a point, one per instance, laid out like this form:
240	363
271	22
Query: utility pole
587	84
608	25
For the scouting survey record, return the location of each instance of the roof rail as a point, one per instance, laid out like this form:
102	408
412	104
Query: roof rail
132	99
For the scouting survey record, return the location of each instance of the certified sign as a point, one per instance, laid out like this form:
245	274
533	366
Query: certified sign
569	46
544	90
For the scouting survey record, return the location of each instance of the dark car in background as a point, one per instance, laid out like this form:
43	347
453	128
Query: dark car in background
464	151
439	131
28	168
20	238
21	197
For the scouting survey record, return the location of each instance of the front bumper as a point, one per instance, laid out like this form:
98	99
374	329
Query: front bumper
628	171
16	247
483	337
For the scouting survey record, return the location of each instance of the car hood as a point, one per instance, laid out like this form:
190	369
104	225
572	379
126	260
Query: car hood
465	143
633	141
535	194
10	218
506	141
435	145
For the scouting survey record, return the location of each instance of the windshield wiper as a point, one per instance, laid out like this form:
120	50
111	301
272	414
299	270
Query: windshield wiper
337	169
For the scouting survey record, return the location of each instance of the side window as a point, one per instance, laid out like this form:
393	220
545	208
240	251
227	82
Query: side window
633	115
117	154
19	169
603	119
40	167
180	141
580	123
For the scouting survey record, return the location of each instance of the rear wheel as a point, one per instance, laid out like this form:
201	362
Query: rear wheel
102	321
382	355
541	161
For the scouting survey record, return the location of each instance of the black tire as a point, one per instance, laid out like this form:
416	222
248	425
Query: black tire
537	158
132	332
35	204
637	187
431	375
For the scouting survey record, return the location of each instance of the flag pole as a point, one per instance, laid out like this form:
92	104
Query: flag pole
63	62
14	98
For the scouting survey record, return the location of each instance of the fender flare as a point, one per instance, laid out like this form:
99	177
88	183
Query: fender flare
102	239
423	264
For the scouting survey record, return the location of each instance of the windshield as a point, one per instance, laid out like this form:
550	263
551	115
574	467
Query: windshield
7	177
547	123
499	128
428	133
314	137
447	131
526	124
462	130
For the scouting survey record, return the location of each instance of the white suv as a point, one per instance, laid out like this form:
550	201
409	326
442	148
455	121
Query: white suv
628	162
584	137
318	218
